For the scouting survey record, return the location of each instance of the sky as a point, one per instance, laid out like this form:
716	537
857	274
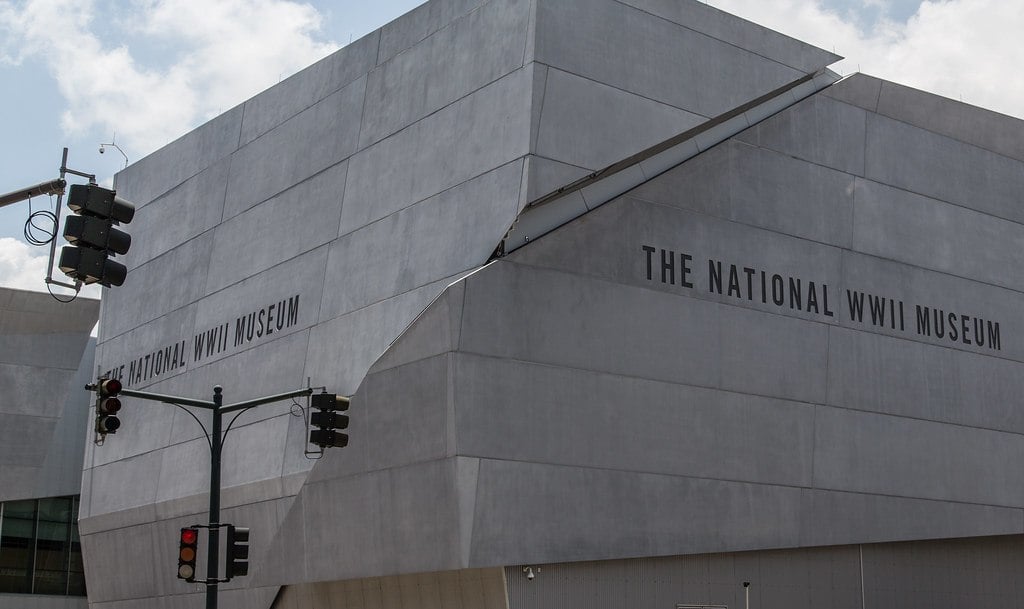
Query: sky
141	73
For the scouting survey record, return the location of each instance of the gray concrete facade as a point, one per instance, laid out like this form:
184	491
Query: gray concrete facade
46	357
801	337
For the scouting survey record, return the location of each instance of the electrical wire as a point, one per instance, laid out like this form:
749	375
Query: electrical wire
41	229
41	226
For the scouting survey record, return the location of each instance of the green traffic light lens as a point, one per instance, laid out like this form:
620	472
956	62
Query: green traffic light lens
186	571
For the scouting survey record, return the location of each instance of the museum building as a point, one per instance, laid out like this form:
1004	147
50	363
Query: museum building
46	358
639	306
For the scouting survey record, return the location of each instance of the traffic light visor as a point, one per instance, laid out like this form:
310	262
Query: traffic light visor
110	387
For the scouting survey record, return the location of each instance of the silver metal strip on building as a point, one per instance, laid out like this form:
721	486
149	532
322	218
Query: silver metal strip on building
572	201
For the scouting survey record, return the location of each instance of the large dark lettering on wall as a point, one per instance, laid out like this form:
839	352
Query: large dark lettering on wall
775	288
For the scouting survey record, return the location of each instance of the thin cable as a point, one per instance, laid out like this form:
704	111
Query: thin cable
41	226
61	300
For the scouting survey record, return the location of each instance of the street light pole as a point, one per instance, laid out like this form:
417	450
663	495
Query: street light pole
216	437
216	444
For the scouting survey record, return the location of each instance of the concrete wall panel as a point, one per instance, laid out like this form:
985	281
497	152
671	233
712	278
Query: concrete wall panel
302	90
544	176
858	90
646	49
142	422
295	290
402	251
255	451
609	245
130	356
179	275
927	298
646	342
413	428
570	131
470	137
183	158
187	210
831	518
744	34
436	330
129	482
30	444
24	311
763	188
943	168
872	453
420	23
906	378
523	518
528	412
28	383
819	130
342	349
970	124
61	351
893	223
572	331
298	220
313	140
472	51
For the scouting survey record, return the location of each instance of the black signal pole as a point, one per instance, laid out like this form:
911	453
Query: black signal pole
216	439
216	444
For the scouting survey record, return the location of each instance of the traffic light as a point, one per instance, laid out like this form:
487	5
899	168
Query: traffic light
328	420
107	406
93	237
187	552
237	559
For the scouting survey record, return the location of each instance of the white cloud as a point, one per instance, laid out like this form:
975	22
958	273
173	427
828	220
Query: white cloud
24	267
212	56
961	49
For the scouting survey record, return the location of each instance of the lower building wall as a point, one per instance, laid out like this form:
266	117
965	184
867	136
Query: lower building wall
464	589
979	573
34	601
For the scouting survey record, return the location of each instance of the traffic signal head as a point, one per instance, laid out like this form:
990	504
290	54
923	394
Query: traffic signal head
91	200
328	420
188	545
107	406
329	401
93	237
237	559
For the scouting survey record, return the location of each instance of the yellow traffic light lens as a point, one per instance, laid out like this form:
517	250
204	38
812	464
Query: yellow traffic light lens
187	554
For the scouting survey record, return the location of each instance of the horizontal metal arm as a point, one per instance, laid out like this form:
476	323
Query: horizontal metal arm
169	399
267	400
51	187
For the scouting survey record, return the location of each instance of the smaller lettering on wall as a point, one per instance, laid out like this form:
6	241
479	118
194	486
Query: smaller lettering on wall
230	335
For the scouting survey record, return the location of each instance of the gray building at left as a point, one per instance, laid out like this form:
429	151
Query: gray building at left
46	357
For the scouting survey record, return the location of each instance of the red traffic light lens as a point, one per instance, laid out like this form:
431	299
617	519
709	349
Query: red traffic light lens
189	536
110	386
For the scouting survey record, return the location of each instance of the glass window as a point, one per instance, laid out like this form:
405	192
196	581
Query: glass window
17	545
53	540
40	551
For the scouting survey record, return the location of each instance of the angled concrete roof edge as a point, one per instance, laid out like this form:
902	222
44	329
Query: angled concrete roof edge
567	203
